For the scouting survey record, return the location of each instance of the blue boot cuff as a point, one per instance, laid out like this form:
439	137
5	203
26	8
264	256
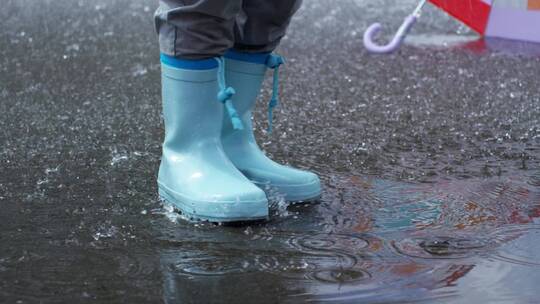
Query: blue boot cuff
259	58
203	64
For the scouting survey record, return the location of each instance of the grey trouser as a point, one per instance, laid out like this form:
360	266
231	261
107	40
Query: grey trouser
199	29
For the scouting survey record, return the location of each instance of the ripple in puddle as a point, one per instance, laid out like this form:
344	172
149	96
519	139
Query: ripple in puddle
518	245
339	276
328	242
214	264
337	268
440	247
327	258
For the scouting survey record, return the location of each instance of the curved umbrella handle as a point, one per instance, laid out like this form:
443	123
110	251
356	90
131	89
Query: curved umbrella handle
396	41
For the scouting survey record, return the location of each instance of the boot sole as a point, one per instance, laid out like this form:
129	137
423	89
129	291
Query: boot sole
188	208
293	198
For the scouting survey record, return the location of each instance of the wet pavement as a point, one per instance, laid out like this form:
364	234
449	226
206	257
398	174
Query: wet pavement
430	160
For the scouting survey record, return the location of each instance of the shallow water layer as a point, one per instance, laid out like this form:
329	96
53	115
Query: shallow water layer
429	160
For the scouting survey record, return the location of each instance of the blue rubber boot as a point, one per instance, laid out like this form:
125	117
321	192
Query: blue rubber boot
195	174
245	72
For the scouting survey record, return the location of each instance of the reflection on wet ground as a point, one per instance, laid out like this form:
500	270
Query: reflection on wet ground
429	158
385	242
476	44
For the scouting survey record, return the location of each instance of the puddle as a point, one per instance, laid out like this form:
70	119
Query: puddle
429	159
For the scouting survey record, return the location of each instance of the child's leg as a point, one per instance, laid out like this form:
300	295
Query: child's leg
262	24
196	29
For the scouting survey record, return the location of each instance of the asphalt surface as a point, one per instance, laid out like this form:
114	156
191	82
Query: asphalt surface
449	113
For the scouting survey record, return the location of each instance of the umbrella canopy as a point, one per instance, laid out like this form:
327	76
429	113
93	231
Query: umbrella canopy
511	19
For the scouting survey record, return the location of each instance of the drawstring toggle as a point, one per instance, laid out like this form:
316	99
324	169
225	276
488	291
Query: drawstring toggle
225	94
273	62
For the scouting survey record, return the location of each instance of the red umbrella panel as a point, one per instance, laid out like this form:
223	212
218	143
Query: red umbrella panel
512	19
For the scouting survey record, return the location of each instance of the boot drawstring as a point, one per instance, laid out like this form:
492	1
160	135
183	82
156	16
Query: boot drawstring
273	62
225	94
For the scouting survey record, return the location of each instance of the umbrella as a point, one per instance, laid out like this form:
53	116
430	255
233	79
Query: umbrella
511	19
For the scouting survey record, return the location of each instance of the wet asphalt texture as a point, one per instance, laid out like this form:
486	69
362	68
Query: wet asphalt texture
81	131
